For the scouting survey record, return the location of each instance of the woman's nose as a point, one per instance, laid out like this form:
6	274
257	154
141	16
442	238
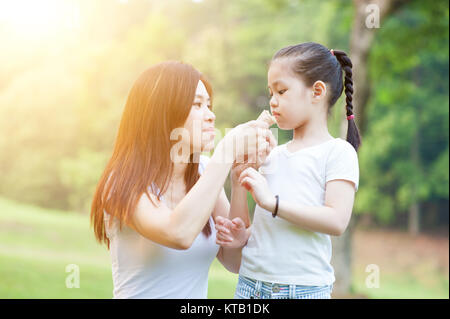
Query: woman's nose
210	116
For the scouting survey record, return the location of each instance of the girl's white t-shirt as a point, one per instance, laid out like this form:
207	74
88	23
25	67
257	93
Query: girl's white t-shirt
142	268
279	251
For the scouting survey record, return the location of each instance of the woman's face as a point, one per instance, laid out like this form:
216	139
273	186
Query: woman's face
290	102
200	122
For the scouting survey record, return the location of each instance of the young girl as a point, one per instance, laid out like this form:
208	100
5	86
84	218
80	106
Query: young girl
305	189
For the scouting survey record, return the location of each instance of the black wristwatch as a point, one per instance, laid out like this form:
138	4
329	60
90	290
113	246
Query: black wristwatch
276	206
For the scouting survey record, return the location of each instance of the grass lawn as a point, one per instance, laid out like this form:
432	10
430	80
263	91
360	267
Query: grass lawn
36	246
409	266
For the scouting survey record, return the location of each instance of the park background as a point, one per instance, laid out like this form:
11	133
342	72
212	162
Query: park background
65	72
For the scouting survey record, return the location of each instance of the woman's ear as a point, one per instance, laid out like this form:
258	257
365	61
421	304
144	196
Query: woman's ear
319	91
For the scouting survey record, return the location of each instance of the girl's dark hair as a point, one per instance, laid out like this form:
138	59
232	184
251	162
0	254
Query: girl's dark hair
313	62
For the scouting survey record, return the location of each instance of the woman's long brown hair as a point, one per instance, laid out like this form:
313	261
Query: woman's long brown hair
159	101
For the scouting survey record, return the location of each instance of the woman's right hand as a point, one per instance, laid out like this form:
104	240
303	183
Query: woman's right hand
248	142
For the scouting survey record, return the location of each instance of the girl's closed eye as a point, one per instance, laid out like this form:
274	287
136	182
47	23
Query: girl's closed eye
280	92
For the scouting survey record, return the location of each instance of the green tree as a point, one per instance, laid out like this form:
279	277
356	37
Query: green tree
405	168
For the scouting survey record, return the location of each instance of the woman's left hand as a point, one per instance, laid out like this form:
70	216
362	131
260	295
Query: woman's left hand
257	185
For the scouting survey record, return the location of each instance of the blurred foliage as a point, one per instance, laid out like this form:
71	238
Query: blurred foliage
406	157
62	93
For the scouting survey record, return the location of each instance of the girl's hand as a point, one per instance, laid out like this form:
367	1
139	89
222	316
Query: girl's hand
257	185
236	171
231	233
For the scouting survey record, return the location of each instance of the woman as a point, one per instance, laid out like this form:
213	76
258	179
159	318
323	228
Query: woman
154	207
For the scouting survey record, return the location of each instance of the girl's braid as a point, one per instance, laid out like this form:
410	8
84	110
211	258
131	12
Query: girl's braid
347	65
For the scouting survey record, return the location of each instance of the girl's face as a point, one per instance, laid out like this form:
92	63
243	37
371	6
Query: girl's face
200	122
290	99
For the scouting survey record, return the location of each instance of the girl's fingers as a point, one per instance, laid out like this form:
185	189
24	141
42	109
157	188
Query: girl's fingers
243	174
222	229
238	223
248	183
227	223
222	222
219	220
247	179
246	172
223	237
249	172
223	244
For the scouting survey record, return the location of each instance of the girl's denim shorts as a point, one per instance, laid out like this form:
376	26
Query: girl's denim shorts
248	288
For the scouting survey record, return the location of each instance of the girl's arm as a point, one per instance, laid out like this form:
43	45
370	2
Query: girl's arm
232	220
230	258
235	234
239	206
234	230
332	218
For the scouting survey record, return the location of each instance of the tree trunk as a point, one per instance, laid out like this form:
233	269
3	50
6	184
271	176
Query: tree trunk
342	261
414	210
414	219
360	43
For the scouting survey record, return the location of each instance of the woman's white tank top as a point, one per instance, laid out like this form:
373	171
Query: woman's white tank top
142	268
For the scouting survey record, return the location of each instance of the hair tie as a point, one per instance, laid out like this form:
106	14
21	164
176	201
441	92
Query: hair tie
332	52
350	117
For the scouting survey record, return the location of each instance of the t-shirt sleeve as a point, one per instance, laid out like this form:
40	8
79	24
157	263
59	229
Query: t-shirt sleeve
343	163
